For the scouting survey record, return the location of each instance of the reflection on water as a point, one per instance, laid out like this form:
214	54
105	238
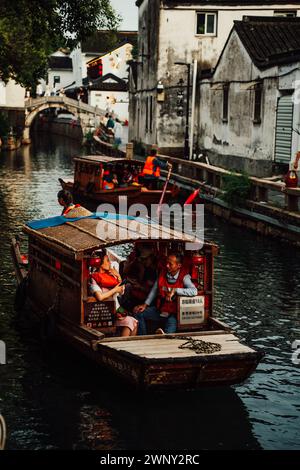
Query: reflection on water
62	401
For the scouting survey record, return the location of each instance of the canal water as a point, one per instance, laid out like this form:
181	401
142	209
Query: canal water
57	400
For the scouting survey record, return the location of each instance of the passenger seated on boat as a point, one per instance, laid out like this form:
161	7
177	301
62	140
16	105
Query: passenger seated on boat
126	178
108	180
172	280
141	274
65	199
104	285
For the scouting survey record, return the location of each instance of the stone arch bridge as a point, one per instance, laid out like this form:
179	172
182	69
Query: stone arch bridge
87	115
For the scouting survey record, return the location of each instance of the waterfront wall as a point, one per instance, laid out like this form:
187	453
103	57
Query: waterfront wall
63	127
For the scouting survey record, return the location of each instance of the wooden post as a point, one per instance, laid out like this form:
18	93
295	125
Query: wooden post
129	151
291	202
261	194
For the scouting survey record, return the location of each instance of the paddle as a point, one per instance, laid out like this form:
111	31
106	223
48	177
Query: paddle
164	192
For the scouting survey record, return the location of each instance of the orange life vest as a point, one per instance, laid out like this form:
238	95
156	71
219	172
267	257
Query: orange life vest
105	280
164	286
68	209
149	168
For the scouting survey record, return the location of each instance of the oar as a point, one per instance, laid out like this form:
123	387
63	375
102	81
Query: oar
164	192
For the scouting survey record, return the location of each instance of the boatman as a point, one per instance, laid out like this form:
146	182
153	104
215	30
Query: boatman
151	170
65	199
173	280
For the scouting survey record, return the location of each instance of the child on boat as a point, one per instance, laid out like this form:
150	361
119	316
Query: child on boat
104	285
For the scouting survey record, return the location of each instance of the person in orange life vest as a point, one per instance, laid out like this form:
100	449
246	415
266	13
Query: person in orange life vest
173	280
105	284
151	170
65	199
109	180
141	274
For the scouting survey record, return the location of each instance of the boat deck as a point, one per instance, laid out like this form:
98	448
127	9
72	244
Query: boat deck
163	347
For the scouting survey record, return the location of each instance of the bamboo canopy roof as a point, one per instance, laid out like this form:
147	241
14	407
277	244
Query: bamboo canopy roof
104	159
83	236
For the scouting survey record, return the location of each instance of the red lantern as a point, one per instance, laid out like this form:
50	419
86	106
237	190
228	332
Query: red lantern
95	262
291	179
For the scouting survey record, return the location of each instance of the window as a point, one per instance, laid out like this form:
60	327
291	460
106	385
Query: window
207	23
257	103
225	102
286	13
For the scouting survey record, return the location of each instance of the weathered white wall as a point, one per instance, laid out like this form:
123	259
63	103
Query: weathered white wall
178	39
66	78
240	137
12	94
172	35
119	108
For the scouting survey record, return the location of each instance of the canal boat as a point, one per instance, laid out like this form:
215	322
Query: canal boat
54	277
90	183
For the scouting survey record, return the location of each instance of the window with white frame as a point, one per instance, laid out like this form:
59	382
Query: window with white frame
206	23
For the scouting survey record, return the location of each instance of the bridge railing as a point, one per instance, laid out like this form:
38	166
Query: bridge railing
37	102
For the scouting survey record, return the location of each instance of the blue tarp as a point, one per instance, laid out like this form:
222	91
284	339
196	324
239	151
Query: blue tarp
60	220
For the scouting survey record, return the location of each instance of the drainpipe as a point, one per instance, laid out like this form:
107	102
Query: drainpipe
193	110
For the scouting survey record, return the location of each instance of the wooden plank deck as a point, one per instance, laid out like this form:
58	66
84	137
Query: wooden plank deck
162	348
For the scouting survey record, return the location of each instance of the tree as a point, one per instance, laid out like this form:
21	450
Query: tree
30	30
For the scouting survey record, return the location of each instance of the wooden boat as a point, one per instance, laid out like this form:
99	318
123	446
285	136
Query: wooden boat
55	279
88	181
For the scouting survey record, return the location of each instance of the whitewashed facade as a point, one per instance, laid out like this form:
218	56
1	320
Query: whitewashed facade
181	31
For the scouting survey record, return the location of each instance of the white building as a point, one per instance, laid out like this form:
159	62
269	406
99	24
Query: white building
100	65
250	105
110	90
12	94
173	31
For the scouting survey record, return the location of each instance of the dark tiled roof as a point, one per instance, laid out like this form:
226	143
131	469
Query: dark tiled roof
57	62
104	41
270	40
117	85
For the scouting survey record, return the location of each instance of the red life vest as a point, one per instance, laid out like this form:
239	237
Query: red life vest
105	280
68	209
149	168
163	288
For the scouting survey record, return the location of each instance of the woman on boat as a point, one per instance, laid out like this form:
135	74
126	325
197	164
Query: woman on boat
141	274
65	199
106	284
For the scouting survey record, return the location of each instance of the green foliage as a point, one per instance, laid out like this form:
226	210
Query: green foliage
4	125
30	30
236	189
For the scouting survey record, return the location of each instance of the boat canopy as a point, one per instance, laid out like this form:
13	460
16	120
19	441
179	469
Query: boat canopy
79	237
106	160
